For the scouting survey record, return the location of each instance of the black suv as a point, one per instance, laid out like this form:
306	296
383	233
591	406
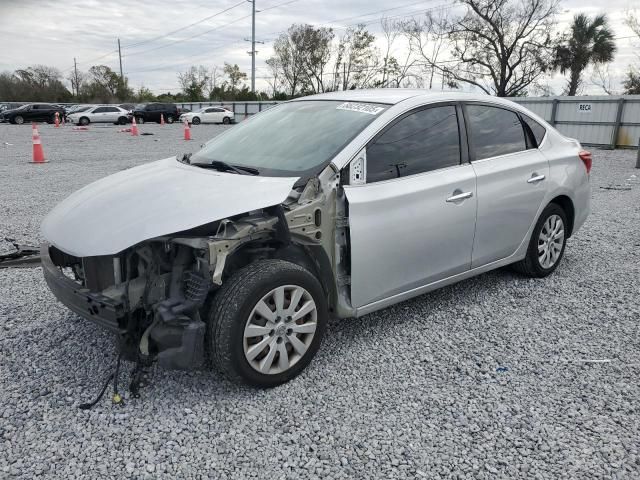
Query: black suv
32	112
150	112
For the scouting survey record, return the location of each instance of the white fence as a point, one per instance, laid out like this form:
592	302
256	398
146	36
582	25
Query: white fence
610	121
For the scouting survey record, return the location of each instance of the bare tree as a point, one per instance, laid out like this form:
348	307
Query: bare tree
356	63
290	60
501	47
275	80
632	20
428	39
214	76
393	71
601	77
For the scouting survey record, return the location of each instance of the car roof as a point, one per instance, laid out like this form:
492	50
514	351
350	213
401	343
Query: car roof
393	96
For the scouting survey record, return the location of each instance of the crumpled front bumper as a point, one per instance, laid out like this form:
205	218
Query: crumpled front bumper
95	307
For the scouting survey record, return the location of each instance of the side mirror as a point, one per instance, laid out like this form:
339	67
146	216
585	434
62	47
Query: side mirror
358	169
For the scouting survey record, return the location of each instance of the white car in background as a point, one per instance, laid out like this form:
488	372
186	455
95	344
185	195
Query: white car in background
209	115
100	114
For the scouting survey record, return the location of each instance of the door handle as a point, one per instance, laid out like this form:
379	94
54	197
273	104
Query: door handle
459	196
536	178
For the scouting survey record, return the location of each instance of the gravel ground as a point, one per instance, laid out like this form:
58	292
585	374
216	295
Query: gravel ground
497	376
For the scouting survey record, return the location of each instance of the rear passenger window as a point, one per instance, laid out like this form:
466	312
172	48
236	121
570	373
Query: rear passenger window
420	142
537	130
495	131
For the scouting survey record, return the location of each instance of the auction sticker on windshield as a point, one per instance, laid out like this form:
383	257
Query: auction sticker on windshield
360	107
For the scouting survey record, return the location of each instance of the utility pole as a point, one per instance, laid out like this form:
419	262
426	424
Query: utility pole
120	56
253	45
75	73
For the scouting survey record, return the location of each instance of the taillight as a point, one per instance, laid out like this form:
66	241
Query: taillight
585	156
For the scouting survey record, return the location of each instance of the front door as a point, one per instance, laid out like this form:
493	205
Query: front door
413	221
512	181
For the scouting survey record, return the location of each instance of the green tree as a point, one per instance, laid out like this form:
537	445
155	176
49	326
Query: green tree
234	75
589	42
194	82
631	84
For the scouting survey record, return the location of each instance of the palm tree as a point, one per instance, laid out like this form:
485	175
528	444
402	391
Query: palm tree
590	42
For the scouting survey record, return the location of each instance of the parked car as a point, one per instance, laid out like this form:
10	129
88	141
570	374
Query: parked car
9	106
209	115
32	112
337	205
127	106
150	112
99	114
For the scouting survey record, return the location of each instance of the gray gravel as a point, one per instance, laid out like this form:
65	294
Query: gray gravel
498	376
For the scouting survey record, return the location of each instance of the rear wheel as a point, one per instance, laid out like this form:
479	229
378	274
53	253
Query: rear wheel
266	323
83	121
226	120
195	120
547	243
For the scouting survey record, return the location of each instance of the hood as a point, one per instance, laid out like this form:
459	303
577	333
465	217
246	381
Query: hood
151	200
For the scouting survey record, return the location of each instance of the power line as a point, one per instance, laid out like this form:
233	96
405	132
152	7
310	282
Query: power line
185	27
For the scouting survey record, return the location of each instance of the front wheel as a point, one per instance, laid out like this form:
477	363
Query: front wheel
195	121
170	119
266	323
547	243
122	121
84	121
19	120
139	120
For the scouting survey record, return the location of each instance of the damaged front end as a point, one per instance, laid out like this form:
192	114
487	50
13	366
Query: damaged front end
149	295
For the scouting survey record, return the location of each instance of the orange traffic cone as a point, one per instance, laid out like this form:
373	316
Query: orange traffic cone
134	127
38	153
57	120
162	119
187	130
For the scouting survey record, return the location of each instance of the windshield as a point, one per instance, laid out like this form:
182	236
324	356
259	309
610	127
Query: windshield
291	139
81	109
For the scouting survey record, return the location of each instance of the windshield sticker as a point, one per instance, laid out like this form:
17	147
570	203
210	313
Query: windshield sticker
360	107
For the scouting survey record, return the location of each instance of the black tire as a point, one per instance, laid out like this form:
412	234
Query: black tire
139	120
195	120
530	265
170	119
226	120
122	121
84	121
18	120
231	307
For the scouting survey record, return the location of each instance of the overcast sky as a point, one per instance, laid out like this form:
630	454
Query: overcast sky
156	44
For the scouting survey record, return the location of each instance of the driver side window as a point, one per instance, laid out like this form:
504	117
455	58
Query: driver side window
422	141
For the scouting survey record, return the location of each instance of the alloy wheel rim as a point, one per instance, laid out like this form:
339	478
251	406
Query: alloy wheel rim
280	329
550	241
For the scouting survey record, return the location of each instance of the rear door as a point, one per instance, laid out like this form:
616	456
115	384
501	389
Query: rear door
111	114
512	180
412	223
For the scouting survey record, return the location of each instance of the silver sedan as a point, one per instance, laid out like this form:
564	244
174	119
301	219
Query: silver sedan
335	205
99	114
